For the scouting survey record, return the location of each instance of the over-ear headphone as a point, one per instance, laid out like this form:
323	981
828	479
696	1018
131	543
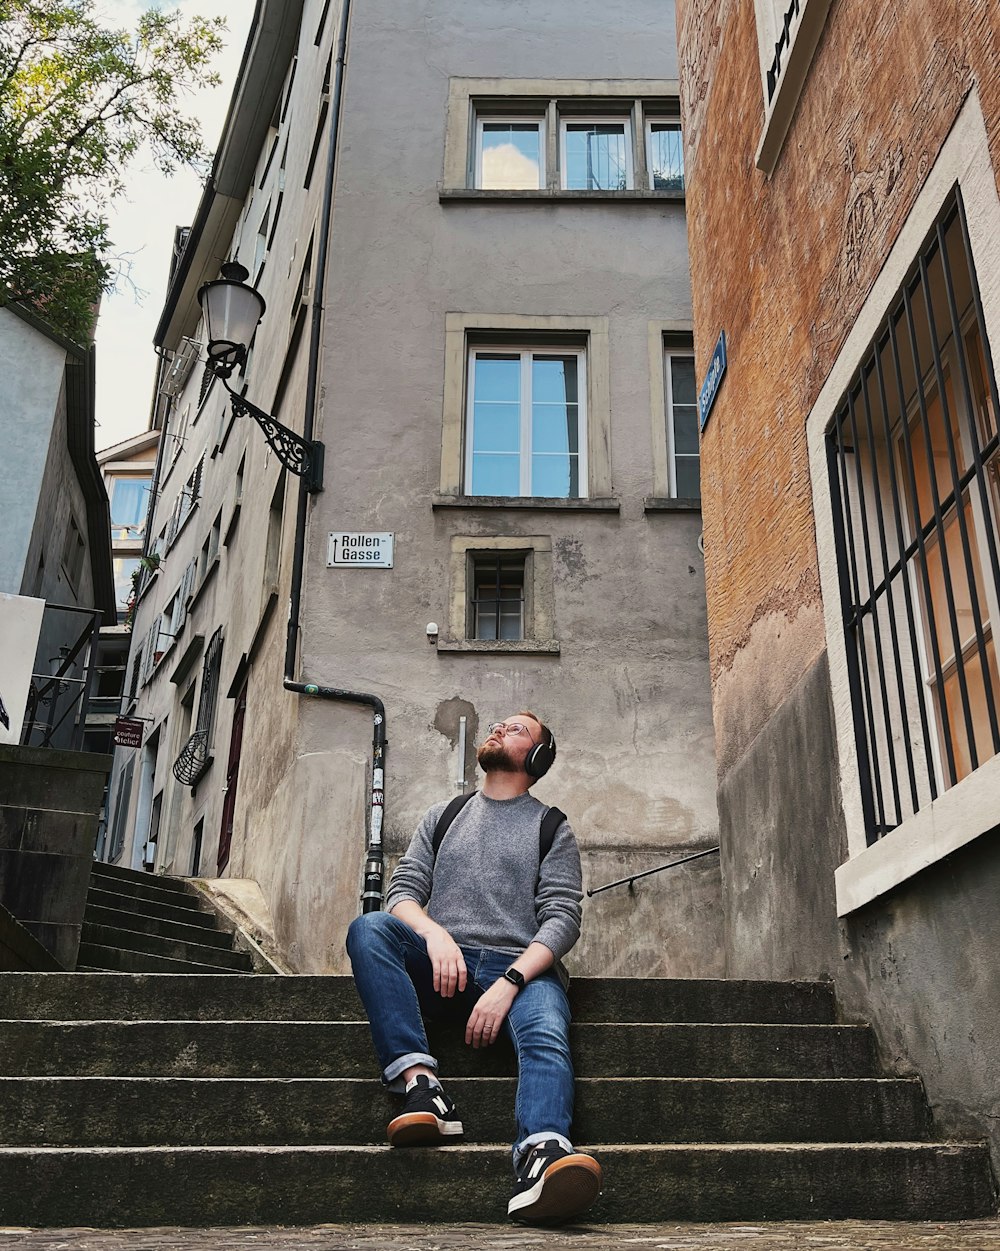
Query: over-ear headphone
539	760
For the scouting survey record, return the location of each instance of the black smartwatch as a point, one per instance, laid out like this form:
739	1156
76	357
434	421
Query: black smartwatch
515	977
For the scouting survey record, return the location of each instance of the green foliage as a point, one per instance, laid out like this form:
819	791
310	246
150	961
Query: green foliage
77	103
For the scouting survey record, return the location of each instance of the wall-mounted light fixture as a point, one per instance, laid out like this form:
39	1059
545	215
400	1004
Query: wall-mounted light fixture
232	310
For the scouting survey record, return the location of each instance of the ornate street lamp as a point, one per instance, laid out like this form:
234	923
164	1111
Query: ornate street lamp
232	310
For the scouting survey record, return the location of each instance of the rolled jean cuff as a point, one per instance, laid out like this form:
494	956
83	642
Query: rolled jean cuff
544	1136
392	1076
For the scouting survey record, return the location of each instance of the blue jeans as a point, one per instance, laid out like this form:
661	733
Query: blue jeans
394	978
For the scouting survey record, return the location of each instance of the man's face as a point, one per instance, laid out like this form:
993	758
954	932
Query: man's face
508	744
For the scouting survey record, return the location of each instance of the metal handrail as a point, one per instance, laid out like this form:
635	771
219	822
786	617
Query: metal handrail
636	876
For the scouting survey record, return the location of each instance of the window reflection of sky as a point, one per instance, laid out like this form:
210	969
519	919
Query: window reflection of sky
511	158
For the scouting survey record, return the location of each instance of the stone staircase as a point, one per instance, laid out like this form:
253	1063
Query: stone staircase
133	1099
137	923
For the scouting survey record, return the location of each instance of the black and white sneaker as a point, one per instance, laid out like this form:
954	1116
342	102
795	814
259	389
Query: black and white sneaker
554	1184
427	1119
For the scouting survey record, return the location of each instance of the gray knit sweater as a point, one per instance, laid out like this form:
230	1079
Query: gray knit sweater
483	887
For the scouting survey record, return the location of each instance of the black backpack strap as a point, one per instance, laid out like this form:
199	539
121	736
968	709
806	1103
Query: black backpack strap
550	823
452	809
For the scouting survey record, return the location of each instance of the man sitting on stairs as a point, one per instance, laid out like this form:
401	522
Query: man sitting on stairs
476	923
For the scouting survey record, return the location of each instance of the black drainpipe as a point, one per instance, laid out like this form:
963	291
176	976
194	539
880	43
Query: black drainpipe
371	895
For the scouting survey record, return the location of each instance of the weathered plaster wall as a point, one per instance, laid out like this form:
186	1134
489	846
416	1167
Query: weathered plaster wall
920	963
627	696
31	366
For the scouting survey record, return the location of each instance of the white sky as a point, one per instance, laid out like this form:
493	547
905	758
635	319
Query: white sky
142	228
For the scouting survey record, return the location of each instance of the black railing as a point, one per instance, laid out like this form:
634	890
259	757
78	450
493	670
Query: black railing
58	701
913	458
635	877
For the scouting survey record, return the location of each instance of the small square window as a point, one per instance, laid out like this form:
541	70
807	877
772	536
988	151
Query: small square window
510	154
526	423
597	154
665	155
496	595
682	426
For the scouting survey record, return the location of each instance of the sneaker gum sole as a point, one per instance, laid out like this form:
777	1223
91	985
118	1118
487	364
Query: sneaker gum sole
565	1189
421	1129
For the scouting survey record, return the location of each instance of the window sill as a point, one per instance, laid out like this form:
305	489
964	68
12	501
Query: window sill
537	502
451	195
668	504
781	109
951	822
523	647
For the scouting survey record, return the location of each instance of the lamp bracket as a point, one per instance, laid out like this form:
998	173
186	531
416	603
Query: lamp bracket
302	457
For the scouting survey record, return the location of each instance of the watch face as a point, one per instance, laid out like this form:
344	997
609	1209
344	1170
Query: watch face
513	975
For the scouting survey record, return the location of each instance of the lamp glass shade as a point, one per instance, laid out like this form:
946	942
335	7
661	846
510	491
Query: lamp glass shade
232	311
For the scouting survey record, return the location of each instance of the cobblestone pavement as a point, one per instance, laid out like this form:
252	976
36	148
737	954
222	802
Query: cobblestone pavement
813	1236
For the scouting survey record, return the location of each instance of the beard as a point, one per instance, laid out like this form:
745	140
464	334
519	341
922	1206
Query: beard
494	757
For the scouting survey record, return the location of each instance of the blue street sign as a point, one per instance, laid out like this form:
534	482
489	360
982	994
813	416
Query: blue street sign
713	378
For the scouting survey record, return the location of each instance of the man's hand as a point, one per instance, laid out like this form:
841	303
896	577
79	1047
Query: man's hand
490	1013
446	961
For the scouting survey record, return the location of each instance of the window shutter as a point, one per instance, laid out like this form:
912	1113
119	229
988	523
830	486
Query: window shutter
187	587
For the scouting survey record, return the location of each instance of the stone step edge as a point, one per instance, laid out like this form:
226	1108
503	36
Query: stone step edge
147	937
196	969
158	881
165	927
896	1147
345	979
896	1082
152	909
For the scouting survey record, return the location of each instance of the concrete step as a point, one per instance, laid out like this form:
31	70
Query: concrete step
309	998
153	891
158	945
96	1111
119	918
343	1049
149	908
121	960
117	875
201	1186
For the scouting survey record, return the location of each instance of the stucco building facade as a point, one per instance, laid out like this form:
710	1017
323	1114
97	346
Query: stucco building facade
843	163
490	332
56	545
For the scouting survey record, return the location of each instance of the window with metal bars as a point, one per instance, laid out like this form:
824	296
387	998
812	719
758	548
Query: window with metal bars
914	472
496	598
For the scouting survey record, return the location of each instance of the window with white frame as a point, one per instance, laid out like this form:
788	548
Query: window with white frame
526	422
510	153
596	154
914	460
665	154
682	424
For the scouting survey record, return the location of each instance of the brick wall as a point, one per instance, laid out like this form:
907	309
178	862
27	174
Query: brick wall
784	264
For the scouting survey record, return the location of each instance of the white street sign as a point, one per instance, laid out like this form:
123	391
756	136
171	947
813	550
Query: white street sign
351	550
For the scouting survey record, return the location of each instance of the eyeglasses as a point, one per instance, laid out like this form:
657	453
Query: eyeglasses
498	727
